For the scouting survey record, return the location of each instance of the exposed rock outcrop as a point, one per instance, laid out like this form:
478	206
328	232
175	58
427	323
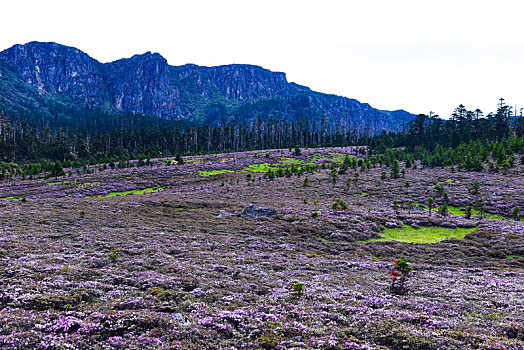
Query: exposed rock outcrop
51	76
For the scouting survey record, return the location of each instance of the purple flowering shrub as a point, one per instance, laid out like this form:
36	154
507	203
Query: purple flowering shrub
190	273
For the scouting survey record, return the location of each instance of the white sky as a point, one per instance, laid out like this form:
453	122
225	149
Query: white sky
415	55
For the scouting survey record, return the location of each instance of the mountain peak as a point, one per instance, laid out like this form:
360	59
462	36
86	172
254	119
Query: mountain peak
52	74
43	48
148	55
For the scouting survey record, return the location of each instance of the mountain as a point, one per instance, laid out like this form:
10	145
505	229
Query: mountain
49	79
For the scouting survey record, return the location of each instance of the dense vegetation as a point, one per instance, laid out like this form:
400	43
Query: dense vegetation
431	132
273	249
467	140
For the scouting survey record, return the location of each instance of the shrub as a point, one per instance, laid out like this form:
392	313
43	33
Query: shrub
411	205
440	190
399	274
339	204
474	188
297	289
113	254
443	209
395	207
306	181
53	301
431	204
469	210
516	213
481	202
395	169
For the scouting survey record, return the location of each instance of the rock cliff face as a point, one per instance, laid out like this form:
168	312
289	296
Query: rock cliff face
142	84
242	82
56	69
37	77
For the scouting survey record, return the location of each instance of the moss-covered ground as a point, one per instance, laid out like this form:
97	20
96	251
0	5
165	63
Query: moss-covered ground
424	234
214	172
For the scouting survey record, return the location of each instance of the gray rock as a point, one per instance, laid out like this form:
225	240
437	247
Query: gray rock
253	211
180	318
222	213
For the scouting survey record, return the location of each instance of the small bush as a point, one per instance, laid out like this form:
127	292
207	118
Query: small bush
297	289
113	255
443	209
469	210
516	213
399	275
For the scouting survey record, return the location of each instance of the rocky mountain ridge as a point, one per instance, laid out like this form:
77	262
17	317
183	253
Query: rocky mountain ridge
48	78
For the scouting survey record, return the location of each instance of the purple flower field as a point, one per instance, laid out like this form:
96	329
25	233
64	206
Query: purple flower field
171	264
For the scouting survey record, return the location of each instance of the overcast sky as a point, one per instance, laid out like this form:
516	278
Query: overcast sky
415	55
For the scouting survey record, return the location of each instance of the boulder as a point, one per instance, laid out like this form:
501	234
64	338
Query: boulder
253	211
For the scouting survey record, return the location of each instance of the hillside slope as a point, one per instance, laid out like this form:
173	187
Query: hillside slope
52	79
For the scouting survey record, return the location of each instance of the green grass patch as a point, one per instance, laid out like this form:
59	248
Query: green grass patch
86	184
125	193
260	168
11	197
297	163
474	212
214	172
448	181
58	183
333	156
290	161
339	157
316	158
363	194
325	240
425	234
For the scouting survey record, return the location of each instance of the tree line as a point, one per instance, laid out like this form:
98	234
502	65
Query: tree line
20	142
467	136
464	126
